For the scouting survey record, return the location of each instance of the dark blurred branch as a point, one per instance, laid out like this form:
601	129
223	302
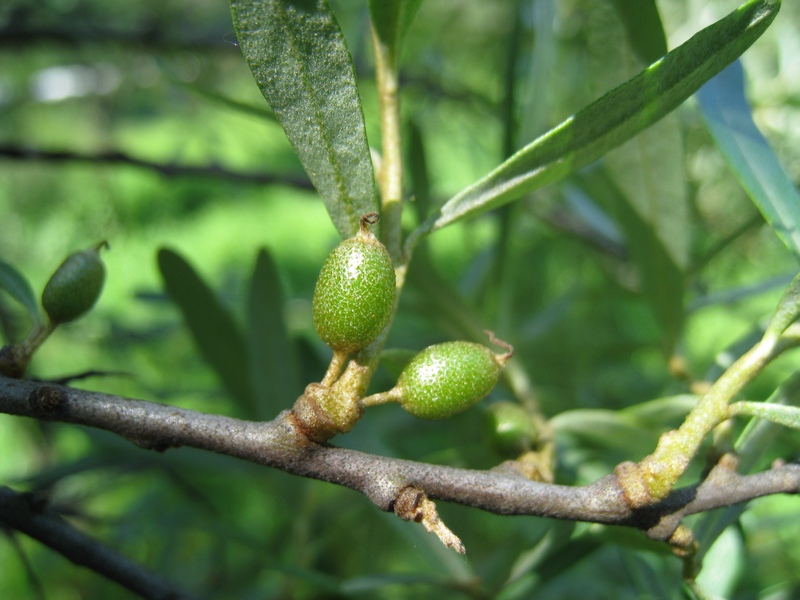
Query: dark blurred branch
14	152
280	444
152	38
30	515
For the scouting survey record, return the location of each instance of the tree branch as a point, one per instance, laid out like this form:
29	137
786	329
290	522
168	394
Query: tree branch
29	515
14	152
280	444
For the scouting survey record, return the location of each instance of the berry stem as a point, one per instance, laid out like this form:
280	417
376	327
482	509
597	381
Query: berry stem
334	368
393	395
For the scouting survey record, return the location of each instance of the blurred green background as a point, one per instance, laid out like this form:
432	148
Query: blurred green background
165	83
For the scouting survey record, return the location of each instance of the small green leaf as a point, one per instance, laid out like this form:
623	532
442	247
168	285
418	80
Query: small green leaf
614	118
20	289
788	416
299	59
214	331
730	122
272	367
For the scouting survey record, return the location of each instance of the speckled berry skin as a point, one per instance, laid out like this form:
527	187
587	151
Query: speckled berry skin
447	378
75	286
355	293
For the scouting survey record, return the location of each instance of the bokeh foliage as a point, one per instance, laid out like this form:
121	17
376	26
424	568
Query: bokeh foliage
558	274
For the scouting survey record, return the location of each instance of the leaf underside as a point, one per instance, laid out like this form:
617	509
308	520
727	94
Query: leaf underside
299	59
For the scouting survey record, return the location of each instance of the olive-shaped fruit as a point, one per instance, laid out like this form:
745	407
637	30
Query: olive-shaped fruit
355	292
510	429
447	378
75	286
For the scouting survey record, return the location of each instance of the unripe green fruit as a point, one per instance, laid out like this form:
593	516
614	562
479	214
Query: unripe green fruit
75	286
447	378
510	429
355	292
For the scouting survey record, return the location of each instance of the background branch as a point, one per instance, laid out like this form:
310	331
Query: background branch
280	444
24	153
28	514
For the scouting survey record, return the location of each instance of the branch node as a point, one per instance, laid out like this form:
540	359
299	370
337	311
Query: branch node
635	488
412	504
47	400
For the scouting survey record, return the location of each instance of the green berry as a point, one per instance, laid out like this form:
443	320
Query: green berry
510	429
447	378
75	286
355	292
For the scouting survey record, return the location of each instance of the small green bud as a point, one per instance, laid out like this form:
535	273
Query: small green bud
510	429
75	286
355	293
448	378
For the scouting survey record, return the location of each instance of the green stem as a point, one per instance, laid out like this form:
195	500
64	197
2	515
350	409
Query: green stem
393	395
660	471
788	416
390	177
334	368
36	338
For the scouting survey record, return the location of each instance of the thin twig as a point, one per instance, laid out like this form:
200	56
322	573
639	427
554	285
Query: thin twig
27	514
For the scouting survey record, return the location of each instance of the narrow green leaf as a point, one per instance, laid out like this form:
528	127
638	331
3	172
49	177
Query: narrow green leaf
614	118
730	122
663	412
20	289
273	370
647	173
661	279
643	28
299	59
417	161
605	427
213	329
724	565
260	112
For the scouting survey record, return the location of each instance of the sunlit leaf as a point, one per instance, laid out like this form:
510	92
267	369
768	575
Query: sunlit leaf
299	59
724	564
214	331
20	289
730	122
614	118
